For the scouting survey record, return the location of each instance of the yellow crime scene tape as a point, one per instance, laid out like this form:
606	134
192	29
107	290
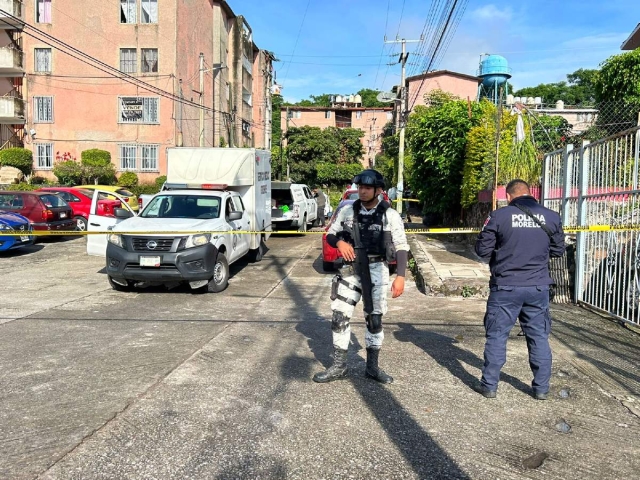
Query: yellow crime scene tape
435	231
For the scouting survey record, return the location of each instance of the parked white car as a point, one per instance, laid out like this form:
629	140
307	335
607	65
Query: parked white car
292	206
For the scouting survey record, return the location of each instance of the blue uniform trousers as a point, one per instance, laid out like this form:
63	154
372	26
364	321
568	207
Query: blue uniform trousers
504	306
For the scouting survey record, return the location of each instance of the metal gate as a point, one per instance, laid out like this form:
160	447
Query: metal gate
597	184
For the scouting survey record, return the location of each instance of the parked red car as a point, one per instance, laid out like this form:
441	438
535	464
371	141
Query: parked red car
45	210
80	202
329	254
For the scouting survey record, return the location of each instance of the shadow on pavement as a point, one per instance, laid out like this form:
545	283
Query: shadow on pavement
444	350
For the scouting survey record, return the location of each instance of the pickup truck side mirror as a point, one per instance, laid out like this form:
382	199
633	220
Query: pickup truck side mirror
122	213
235	216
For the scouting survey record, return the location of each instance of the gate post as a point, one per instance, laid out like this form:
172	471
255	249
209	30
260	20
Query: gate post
581	238
566	181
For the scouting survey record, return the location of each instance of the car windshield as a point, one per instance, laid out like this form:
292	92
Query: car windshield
52	200
353	196
124	193
182	206
85	192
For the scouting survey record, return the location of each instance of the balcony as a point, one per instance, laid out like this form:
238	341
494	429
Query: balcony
11	111
15	8
11	62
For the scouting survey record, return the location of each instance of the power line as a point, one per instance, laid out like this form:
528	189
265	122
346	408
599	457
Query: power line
297	38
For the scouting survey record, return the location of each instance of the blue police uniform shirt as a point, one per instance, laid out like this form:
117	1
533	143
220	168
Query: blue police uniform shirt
517	247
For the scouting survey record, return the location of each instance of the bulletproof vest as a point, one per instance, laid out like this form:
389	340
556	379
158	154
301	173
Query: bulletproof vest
370	226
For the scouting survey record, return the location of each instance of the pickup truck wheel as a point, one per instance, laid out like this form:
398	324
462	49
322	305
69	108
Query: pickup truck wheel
303	226
220	278
328	266
118	287
255	254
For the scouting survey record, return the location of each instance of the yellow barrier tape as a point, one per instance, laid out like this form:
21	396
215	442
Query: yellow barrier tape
435	231
408	200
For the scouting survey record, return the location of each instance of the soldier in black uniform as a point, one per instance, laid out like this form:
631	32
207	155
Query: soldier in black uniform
367	239
518	240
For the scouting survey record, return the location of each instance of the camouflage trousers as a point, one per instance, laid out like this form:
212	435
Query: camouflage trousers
349	294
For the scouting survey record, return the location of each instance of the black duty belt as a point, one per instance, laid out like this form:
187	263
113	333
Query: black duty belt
376	259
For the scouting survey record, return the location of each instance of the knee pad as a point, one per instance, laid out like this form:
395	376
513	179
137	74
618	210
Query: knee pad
339	322
374	322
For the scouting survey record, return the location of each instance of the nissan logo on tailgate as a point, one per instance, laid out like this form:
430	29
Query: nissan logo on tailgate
152	244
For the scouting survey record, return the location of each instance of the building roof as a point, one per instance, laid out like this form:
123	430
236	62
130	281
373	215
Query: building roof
439	73
633	41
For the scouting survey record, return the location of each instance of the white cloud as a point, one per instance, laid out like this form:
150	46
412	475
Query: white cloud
491	12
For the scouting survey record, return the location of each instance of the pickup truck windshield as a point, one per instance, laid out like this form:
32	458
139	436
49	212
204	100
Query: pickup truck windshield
182	206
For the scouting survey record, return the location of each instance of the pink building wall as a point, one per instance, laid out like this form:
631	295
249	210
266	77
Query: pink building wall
461	85
370	120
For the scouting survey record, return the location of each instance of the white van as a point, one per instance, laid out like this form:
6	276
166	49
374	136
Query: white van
292	206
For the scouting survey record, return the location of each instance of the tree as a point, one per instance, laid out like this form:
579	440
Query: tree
579	89
619	78
436	137
369	99
97	167
17	157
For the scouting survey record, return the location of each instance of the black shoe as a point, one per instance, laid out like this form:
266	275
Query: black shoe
336	371
373	370
541	395
485	392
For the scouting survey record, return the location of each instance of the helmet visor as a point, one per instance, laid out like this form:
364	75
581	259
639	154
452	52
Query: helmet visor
364	179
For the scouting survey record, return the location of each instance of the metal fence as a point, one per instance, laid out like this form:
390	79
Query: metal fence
597	184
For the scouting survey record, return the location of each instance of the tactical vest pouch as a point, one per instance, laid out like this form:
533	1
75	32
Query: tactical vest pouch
389	247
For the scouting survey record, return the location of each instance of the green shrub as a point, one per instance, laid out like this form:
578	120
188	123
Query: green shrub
38	180
20	158
128	179
23	187
95	157
160	181
145	189
69	172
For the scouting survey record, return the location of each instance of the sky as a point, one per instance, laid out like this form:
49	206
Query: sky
337	46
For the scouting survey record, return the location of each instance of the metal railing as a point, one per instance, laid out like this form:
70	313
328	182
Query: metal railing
597	184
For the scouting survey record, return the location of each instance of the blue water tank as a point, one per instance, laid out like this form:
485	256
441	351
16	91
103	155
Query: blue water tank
494	69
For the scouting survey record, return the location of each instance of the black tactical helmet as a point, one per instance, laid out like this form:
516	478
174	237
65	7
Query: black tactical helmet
369	177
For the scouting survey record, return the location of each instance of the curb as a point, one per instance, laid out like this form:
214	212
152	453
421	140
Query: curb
429	282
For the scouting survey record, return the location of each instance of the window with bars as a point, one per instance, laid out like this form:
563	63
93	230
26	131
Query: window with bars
149	11
149	60
139	110
128	158
43	60
43	11
149	157
359	114
327	114
130	153
42	109
128	11
44	156
128	60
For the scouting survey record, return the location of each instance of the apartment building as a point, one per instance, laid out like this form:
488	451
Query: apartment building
12	69
197	51
458	84
343	115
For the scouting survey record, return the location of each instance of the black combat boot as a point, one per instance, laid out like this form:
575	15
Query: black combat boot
336	371
373	371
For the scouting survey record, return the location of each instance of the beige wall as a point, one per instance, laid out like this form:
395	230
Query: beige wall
370	121
459	86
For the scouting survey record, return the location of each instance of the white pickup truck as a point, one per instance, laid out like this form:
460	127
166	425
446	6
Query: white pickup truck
194	229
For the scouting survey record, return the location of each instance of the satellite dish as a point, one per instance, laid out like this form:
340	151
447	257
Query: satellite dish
386	97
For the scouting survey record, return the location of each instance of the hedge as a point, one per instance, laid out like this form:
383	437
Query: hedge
20	158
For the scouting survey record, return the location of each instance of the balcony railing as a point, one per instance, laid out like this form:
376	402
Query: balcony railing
11	111
15	8
11	61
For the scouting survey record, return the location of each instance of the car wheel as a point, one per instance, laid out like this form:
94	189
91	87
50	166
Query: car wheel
81	224
255	254
328	266
220	279
303	226
118	287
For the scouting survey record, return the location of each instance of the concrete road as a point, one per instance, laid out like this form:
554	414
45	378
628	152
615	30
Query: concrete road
157	384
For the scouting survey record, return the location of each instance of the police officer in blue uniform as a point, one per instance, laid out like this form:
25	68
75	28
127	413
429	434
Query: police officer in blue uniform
518	240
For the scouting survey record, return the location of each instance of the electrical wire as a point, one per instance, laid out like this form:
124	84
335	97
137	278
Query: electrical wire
295	45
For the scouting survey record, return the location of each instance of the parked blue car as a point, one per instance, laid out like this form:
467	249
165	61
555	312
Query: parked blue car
13	222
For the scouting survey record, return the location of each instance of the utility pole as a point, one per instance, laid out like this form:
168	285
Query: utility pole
286	131
402	116
202	99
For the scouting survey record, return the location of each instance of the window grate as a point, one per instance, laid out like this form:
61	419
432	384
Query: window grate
43	109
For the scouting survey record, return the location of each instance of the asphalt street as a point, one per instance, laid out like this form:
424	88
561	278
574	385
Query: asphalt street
168	384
